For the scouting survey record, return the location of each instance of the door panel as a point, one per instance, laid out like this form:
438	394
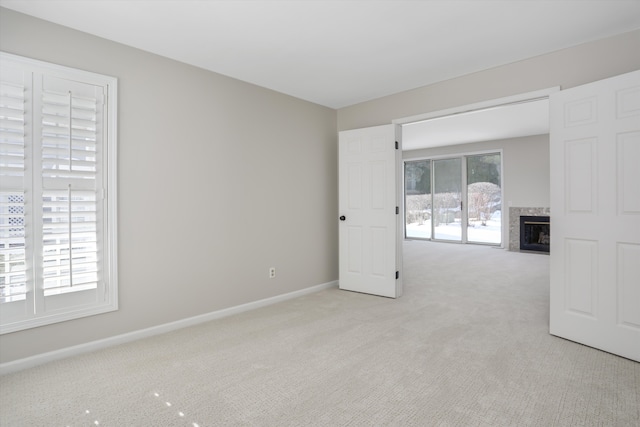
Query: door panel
581	276
628	274
369	250
595	209
629	173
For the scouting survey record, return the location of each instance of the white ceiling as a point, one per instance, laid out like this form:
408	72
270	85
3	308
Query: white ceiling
339	53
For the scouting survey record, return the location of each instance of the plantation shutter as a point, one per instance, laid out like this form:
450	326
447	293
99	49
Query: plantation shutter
71	182
13	281
58	228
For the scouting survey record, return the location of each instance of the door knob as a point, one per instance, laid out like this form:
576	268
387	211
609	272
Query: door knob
342	218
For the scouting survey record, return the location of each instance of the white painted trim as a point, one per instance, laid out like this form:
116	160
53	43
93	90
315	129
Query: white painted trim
62	71
29	362
483	105
451	155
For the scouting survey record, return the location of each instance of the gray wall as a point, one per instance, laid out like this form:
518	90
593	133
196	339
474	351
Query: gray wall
525	173
566	68
218	181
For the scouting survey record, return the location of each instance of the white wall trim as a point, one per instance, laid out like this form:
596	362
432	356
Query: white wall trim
453	154
492	103
29	362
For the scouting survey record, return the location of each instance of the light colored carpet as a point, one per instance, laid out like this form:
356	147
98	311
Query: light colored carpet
467	345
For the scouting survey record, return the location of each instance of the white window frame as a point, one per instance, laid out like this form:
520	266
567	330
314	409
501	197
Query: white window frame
35	311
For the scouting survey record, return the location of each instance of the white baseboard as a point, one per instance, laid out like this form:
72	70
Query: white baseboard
29	362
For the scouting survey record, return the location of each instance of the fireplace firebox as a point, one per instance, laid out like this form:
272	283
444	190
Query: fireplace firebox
535	233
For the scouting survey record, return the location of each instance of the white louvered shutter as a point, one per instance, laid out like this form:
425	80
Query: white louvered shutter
58	228
13	122
71	182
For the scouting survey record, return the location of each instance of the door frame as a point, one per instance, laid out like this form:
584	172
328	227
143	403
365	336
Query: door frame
399	176
479	106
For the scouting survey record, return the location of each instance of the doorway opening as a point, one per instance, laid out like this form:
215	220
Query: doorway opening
483	128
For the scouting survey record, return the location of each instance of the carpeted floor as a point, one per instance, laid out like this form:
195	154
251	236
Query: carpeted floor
467	345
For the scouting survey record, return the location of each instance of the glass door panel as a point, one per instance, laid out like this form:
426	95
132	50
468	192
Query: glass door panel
447	179
484	197
417	191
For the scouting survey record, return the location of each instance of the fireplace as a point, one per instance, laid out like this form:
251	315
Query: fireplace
535	233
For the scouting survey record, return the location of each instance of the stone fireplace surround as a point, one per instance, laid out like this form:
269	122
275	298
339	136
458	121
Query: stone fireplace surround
514	223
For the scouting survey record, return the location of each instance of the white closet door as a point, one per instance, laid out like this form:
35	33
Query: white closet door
368	197
595	215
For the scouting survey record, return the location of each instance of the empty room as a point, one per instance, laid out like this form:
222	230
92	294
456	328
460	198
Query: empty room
319	213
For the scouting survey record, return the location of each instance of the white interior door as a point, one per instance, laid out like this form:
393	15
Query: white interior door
369	211
595	215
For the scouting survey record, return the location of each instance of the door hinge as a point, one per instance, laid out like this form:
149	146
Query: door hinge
397	210
397	275
396	145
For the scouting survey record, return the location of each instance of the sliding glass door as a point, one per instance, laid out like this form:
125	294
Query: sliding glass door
439	207
417	196
447	195
484	199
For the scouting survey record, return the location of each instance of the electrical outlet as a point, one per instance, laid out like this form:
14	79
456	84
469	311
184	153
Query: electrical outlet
272	273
